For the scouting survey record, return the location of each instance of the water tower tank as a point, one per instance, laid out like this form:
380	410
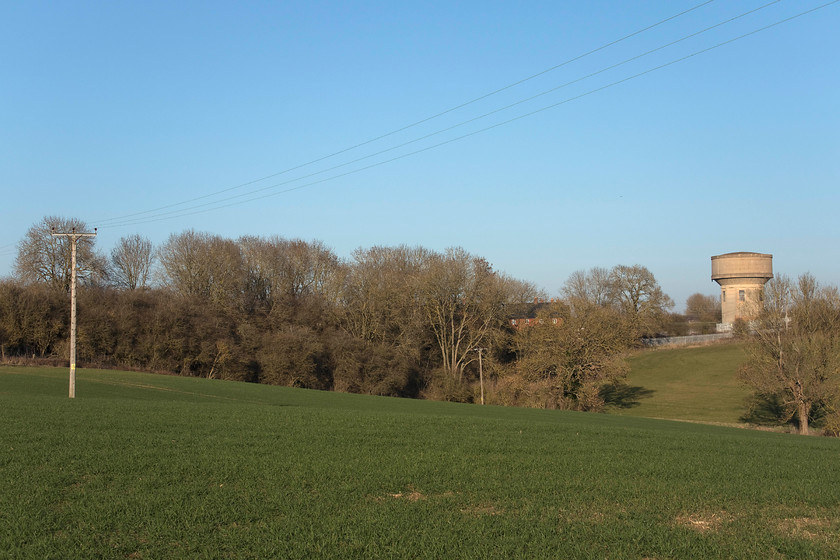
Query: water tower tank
741	277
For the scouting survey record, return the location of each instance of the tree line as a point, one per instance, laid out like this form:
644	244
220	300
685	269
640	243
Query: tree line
399	321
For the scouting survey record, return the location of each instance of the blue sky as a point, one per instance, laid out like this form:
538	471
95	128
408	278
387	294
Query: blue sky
108	109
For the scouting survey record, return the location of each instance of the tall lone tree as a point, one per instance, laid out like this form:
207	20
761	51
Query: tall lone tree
794	353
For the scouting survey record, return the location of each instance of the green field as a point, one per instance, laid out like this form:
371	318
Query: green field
147	466
696	384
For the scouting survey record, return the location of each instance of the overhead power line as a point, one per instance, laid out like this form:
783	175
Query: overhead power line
416	123
8	250
255	195
260	194
466	122
471	120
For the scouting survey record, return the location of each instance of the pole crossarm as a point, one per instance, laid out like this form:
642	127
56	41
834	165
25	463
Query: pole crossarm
73	233
74	237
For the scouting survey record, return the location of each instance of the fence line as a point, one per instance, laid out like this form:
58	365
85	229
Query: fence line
687	340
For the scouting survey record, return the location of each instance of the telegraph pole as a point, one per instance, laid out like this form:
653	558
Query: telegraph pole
74	237
480	371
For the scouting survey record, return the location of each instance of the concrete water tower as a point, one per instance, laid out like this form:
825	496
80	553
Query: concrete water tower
741	277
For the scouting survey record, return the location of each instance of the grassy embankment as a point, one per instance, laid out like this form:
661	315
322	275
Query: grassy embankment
697	384
146	466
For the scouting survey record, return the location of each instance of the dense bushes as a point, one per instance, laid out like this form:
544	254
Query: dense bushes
397	321
34	319
158	330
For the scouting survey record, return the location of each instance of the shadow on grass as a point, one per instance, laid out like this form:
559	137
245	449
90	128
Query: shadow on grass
622	395
770	410
766	410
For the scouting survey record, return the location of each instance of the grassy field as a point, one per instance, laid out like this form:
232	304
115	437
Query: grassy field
697	384
145	466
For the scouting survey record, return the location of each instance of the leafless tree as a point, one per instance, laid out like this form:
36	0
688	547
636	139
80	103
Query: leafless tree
131	262
638	295
462	299
202	265
43	258
702	307
588	287
705	310
794	352
379	298
278	270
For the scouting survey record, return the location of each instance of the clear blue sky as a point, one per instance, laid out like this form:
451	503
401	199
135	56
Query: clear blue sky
113	108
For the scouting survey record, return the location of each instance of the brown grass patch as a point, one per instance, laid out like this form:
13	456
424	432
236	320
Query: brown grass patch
412	496
703	522
810	528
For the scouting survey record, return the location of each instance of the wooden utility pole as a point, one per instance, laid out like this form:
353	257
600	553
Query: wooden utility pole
480	371
74	237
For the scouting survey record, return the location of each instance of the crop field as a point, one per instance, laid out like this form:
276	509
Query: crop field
148	466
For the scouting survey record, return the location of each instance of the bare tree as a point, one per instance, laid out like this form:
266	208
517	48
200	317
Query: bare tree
588	287
202	265
462	299
43	258
131	262
183	260
278	270
794	353
638	295
702	307
258	258
704	310
379	297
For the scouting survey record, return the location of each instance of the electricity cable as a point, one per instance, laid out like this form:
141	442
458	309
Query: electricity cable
485	115
215	205
172	213
417	123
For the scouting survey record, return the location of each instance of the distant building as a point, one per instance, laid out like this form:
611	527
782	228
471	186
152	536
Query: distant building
526	314
741	277
520	322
